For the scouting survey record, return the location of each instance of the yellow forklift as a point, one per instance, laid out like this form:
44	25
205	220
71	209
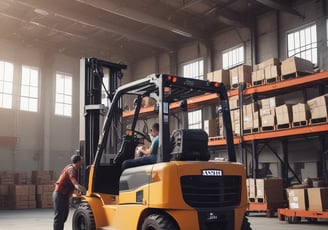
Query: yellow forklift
185	189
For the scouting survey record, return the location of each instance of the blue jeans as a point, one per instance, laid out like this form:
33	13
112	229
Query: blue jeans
152	159
61	208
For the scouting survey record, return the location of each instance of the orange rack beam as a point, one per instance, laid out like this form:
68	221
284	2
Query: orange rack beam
275	134
292	82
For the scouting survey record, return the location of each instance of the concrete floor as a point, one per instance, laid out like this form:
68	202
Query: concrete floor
41	219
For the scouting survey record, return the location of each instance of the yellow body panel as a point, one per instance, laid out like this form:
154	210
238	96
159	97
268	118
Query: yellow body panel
164	192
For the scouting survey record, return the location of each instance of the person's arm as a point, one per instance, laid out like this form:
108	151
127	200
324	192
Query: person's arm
74	181
146	152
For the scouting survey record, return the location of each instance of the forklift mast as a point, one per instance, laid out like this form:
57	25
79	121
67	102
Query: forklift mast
95	76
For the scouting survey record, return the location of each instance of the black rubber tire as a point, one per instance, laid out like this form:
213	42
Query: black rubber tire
159	222
83	218
246	225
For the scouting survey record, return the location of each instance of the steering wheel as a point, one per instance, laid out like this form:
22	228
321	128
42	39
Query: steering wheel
143	135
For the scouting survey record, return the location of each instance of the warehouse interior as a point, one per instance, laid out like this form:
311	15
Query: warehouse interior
47	39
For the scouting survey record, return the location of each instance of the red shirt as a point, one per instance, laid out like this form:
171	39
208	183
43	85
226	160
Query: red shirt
64	184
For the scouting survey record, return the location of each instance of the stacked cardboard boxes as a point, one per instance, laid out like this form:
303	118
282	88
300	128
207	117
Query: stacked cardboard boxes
301	114
308	195
283	116
269	190
297	198
219	76
44	181
318	108
235	114
267	71
250	118
7	178
22	196
267	113
318	199
295	65
240	74
211	127
44	195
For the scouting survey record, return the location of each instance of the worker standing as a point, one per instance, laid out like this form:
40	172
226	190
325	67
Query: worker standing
64	189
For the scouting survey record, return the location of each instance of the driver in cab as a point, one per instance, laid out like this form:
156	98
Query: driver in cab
145	155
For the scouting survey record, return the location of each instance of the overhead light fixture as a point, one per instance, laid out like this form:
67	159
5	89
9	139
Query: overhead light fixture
183	33
41	11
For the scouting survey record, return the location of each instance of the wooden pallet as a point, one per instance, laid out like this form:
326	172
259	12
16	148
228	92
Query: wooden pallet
299	124
316	121
216	138
283	126
294	75
272	80
255	130
268	128
259	82
256	200
247	131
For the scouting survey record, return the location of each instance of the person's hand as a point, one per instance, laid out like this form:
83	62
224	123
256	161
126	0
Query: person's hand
80	188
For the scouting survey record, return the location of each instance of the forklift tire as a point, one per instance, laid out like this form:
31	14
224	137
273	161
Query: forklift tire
159	222
83	218
246	225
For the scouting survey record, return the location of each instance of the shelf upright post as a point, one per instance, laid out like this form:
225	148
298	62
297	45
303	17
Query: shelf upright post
241	123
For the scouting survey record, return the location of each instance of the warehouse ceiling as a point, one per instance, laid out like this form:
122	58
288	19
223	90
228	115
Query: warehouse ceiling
124	30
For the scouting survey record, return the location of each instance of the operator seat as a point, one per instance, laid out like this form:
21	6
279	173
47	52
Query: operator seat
126	151
189	145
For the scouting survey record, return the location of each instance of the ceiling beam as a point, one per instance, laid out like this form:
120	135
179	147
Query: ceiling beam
227	16
52	8
78	41
144	18
280	6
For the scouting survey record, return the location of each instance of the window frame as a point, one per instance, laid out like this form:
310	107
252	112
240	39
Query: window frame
29	98
63	94
200	75
313	45
5	85
230	52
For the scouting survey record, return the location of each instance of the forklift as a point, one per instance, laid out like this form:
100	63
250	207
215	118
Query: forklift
185	189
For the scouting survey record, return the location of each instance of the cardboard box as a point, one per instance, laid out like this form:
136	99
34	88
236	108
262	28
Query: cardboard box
318	199
272	102
271	190
272	71
211	127
221	76
301	112
269	62
210	76
234	102
283	114
297	199
252	190
256	121
248	116
318	106
257	77
267	117
240	74
296	64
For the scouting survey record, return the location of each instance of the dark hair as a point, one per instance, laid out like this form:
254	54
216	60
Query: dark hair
156	127
75	158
